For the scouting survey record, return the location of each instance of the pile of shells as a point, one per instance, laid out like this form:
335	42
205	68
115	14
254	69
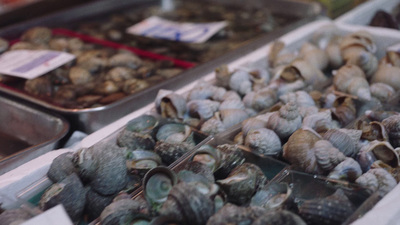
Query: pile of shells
217	186
98	76
340	74
88	180
244	23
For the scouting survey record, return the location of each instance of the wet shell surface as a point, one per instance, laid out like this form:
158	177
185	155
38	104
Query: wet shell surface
242	183
123	211
263	141
171	152
69	192
187	205
334	209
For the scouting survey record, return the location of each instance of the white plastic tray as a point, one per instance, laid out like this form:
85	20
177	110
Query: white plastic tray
362	14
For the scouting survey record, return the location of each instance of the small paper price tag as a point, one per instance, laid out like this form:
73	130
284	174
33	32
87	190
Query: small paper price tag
56	215
30	64
157	27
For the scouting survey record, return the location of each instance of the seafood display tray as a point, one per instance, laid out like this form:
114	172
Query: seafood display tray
302	186
92	119
81	119
26	133
363	14
31	194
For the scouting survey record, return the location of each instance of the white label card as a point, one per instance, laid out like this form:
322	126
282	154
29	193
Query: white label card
30	64
157	27
56	215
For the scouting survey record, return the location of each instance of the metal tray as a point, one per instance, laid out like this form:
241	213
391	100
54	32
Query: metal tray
90	120
18	11
26	133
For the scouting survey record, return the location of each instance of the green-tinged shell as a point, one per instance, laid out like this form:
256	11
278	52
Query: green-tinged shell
61	167
201	169
143	124
279	217
86	162
157	184
173	133
188	205
123	211
169	153
231	157
233	214
95	203
209	156
111	173
334	209
141	161
242	183
134	140
274	196
14	216
69	192
202	183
